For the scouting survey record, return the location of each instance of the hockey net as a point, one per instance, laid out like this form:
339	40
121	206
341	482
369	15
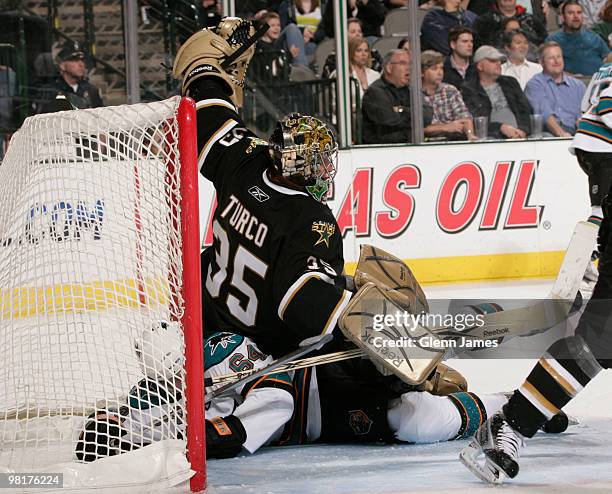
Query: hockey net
95	240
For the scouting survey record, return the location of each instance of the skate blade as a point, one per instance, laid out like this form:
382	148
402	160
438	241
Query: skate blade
483	468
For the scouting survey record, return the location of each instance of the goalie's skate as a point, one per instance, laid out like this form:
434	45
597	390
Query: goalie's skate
499	444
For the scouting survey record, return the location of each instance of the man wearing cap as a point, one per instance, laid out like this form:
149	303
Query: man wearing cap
70	83
497	97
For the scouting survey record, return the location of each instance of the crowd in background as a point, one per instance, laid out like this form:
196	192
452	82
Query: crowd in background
489	68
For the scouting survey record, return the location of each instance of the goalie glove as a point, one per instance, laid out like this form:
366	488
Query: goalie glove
204	53
102	435
392	276
224	437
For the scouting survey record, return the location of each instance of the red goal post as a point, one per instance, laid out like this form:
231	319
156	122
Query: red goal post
99	243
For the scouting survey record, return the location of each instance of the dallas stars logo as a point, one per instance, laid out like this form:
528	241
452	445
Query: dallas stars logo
222	340
325	230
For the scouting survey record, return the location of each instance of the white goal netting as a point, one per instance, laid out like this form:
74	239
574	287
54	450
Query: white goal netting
90	257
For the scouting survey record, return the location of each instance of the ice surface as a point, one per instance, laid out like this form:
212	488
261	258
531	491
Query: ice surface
578	461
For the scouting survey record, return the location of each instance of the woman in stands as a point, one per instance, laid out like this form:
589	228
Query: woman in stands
361	62
306	14
360	59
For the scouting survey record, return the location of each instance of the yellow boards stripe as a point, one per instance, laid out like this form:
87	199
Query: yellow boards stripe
72	297
483	267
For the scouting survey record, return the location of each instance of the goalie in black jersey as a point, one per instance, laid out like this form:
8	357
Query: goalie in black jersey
272	278
273	270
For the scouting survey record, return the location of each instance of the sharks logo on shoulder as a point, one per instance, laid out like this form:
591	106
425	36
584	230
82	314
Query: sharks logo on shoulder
222	340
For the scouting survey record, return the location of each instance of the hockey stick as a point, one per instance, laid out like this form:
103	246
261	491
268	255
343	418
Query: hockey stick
307	346
289	366
547	313
521	321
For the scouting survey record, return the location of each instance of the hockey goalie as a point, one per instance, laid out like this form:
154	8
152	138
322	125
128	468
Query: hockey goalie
273	278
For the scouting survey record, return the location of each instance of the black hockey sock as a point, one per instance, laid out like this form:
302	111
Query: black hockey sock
559	375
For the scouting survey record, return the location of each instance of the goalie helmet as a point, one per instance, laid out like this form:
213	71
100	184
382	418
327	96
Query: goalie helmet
304	151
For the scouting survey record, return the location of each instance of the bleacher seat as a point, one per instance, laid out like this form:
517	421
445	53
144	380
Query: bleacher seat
396	21
324	48
300	73
386	44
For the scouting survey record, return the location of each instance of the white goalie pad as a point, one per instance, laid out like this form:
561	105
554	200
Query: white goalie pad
390	336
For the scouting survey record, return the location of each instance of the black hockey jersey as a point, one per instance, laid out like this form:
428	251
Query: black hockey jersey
272	271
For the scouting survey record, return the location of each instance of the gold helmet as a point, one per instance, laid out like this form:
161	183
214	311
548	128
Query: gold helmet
305	152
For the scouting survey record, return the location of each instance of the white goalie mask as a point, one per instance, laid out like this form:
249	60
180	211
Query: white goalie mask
305	152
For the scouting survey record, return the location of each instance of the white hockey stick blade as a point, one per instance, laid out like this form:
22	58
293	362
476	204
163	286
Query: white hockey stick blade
474	459
575	261
545	314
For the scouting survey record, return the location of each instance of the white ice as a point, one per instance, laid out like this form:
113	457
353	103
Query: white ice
578	461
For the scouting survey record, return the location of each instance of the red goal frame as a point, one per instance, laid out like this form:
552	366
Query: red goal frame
192	292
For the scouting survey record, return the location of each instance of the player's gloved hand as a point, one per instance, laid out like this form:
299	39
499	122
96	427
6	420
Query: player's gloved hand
203	54
605	230
443	381
102	436
224	437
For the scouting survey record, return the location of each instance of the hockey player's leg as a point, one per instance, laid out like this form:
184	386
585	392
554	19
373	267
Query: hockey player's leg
560	374
598	167
420	417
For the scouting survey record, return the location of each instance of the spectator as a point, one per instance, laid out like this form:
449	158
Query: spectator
8	90
457	66
604	27
371	13
289	39
360	60
450	117
439	21
354	30
510	24
404	44
539	8
555	95
583	50
497	97
591	10
305	14
386	103
209	13
71	81
489	26
269	63
517	65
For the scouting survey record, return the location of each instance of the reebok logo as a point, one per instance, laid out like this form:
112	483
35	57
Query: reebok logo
496	332
258	194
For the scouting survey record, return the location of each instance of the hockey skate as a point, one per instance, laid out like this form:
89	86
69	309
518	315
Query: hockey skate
500	445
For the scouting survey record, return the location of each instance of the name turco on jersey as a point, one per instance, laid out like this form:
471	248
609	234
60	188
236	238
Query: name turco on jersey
245	222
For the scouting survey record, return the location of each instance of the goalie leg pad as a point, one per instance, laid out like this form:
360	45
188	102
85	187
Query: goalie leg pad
392	275
382	328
